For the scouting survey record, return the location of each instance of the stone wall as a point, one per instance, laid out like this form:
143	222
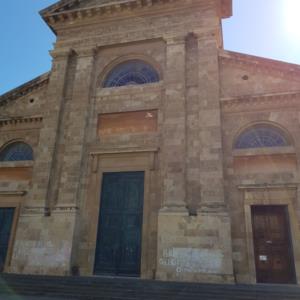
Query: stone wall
268	97
198	189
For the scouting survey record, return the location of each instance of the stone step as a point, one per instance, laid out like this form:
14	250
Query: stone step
95	288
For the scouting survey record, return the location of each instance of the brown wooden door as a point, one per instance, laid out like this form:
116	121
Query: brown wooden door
272	245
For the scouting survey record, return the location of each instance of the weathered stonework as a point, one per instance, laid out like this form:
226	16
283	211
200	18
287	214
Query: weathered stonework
198	189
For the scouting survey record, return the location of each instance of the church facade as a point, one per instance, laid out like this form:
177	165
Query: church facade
148	150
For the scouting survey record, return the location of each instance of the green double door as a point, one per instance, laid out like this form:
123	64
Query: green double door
118	249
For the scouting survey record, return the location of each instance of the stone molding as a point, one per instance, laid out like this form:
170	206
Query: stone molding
107	8
60	53
176	39
62	12
11	120
267	186
42	210
208	33
260	102
122	150
62	209
16	164
12	193
86	52
274	67
25	89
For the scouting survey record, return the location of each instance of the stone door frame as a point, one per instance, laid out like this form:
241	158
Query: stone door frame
271	195
131	161
13	200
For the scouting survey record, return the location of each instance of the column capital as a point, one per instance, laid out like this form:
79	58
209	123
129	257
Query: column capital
62	53
175	39
211	33
86	51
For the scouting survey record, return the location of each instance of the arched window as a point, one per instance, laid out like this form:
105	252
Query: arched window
131	72
261	136
16	152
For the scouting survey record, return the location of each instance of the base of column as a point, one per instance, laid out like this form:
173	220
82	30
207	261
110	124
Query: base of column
194	248
178	210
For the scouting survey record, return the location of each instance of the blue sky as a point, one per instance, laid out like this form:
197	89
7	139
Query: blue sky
268	28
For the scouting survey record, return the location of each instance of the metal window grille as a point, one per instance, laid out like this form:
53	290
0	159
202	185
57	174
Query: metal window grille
16	152
258	137
131	73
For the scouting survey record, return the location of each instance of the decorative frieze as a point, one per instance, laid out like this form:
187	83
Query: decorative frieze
13	120
62	15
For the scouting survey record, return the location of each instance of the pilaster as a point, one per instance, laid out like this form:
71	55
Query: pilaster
48	136
196	246
174	126
79	109
210	141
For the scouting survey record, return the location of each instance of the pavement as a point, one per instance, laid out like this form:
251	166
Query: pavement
14	297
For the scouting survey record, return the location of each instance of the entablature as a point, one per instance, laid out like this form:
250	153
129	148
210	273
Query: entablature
72	10
13	120
248	103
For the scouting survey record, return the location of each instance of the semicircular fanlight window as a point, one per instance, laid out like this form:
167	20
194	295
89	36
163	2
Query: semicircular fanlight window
16	152
131	72
261	136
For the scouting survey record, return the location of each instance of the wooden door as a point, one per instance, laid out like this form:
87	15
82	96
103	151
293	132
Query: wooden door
272	245
118	250
6	221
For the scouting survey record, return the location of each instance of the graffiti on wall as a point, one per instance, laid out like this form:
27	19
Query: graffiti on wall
192	260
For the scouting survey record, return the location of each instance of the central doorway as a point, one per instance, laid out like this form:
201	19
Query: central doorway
274	259
118	248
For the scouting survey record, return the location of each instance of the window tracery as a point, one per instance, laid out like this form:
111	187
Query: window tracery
131	72
261	136
17	151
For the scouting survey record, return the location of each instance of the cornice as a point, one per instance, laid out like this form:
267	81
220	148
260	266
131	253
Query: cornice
107	8
282	101
275	67
20	120
24	89
67	11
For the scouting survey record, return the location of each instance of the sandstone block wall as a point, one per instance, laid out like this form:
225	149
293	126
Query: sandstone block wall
198	188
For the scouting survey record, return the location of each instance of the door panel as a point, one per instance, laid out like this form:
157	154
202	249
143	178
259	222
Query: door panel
272	245
118	249
6	221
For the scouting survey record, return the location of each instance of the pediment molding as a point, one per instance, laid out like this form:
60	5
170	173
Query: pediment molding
25	89
71	10
260	64
282	101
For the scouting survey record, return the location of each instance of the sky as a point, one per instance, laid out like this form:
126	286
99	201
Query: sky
267	28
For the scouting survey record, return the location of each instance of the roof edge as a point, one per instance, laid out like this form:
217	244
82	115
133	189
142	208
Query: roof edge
55	13
25	88
261	61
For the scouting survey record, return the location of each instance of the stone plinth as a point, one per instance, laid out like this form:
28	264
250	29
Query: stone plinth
194	248
44	244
